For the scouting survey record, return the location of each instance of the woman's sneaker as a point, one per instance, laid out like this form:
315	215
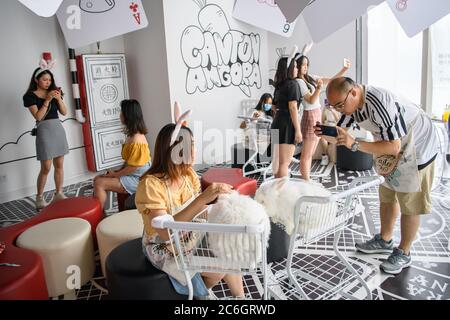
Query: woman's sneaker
396	262
325	160
375	245
40	202
58	196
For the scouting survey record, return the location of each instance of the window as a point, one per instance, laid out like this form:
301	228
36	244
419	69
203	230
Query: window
440	66
394	59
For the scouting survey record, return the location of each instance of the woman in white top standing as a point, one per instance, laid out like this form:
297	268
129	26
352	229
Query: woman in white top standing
310	87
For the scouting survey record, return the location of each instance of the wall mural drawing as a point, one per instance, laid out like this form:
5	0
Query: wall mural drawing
217	56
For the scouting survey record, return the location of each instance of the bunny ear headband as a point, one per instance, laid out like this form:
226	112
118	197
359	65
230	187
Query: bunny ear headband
292	55
178	119
306	49
45	64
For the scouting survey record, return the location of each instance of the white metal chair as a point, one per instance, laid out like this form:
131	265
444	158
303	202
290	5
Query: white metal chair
328	216
257	138
198	256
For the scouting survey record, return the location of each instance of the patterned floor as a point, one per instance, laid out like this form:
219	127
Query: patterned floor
427	278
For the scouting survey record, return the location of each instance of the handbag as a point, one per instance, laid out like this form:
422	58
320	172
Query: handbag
33	131
189	241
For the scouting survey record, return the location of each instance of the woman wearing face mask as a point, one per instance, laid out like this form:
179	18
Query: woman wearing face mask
44	100
310	87
264	107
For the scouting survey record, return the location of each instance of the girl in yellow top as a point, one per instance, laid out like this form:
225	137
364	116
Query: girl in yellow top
171	186
135	153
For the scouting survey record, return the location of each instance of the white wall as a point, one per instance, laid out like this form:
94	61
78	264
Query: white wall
147	69
326	57
219	107
23	38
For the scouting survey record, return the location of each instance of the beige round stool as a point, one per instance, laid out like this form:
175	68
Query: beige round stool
67	252
117	229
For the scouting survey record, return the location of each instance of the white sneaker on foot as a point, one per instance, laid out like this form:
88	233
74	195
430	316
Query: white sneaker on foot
58	196
40	202
325	160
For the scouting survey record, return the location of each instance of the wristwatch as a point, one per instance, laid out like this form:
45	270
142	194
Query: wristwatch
355	146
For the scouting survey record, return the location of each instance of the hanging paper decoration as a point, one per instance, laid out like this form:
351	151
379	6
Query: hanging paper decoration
416	15
263	14
325	17
84	22
43	8
291	9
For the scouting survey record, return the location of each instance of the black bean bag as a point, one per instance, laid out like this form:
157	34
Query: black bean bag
130	276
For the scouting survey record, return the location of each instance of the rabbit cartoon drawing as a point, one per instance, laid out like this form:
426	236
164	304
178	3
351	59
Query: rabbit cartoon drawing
97	6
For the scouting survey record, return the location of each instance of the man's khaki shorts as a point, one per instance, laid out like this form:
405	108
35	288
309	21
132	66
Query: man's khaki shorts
412	203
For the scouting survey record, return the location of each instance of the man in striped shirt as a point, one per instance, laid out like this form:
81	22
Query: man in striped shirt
388	117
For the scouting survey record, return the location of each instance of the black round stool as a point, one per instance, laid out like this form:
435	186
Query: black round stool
355	161
131	276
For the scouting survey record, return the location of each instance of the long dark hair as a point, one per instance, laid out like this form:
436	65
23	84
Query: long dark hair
172	161
33	82
308	78
262	101
133	118
283	72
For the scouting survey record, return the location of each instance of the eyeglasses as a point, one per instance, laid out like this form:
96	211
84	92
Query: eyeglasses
339	106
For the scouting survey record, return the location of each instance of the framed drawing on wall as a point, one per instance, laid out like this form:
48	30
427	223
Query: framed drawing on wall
103	85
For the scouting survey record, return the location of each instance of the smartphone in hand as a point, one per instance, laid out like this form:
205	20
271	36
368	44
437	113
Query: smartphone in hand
328	131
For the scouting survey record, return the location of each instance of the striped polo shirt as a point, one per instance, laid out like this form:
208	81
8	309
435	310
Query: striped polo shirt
388	118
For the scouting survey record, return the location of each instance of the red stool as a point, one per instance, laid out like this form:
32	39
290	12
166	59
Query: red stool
27	282
232	176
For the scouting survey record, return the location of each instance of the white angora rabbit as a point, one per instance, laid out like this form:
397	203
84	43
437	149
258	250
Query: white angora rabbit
234	208
279	196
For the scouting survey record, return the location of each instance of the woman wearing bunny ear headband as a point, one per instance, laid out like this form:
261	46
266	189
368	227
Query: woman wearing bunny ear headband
44	100
310	88
135	153
286	100
171	186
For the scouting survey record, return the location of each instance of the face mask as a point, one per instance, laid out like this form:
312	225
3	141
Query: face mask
267	107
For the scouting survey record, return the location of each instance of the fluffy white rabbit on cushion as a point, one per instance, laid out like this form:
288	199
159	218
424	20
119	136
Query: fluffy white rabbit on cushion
234	208
279	196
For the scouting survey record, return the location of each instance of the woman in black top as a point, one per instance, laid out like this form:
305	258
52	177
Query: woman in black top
44	100
287	98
